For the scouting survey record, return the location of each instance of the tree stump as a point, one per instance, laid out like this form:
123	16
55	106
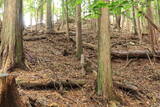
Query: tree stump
9	96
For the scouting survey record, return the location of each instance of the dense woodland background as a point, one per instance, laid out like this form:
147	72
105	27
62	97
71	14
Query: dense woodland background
80	53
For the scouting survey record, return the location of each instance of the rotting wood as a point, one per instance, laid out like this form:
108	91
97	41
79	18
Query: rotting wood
10	96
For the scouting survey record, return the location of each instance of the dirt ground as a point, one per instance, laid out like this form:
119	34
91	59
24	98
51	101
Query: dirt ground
53	58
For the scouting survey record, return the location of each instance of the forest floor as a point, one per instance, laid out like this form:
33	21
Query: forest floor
52	59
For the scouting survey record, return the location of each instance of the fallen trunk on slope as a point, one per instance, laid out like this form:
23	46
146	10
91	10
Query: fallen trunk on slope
54	84
124	54
34	38
135	54
127	54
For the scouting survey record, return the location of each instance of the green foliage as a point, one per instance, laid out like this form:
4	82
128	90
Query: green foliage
116	7
75	2
31	6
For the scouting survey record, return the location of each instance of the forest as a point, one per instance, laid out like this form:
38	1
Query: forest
79	53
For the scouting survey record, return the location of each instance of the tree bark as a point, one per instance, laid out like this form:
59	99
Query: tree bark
78	31
134	20
41	13
150	27
63	13
66	15
10	96
11	49
49	16
104	79
118	22
158	6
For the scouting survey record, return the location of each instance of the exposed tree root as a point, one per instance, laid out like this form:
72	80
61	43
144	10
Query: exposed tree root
131	89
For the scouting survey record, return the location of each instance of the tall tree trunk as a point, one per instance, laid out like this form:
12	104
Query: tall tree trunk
118	22
49	15
52	12
139	30
41	12
78	31
66	15
63	13
104	79
158	6
11	49
31	20
134	20
36	20
91	20
150	27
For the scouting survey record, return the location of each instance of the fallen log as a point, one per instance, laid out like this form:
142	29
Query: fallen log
34	38
123	54
51	84
135	54
127	54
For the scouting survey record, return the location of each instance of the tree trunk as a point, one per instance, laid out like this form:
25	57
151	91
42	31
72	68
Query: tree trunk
134	20
63	13
104	79
118	22
11	49
49	16
66	15
151	32
158	6
36	19
52	13
41	13
78	31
